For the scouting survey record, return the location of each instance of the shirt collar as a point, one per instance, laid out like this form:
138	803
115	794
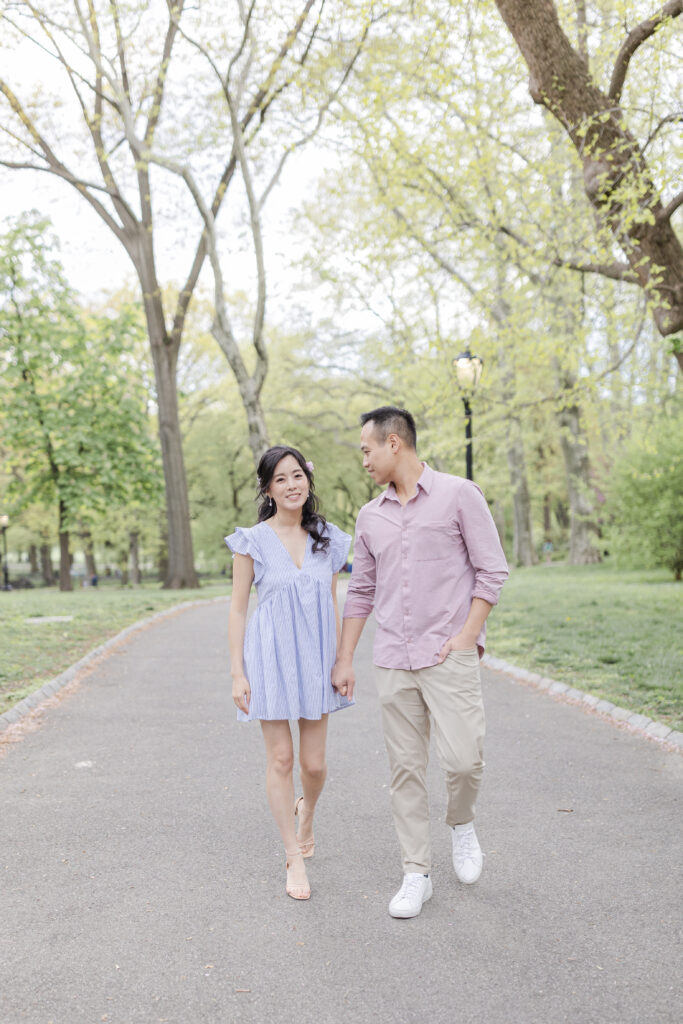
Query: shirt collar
425	483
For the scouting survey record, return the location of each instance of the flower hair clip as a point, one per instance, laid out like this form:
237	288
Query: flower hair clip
309	467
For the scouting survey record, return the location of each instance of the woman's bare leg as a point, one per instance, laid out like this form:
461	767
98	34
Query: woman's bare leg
313	768
280	792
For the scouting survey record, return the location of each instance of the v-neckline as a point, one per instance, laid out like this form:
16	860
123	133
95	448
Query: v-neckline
286	550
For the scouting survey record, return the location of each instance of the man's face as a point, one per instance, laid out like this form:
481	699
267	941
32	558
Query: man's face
378	456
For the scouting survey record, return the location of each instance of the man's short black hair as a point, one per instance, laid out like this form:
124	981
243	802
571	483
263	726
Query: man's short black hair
389	419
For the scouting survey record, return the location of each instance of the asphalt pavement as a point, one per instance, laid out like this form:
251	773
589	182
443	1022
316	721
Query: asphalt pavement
143	878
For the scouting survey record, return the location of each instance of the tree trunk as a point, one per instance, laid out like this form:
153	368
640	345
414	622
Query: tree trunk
562	515
89	554
616	177
582	526
33	559
162	553
134	557
547	516
90	564
522	543
46	565
180	571
256	423
65	582
498	512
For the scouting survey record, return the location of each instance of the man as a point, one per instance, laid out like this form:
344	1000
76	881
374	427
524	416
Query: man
428	560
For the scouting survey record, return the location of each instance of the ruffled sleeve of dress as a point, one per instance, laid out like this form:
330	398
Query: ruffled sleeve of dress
340	543
243	542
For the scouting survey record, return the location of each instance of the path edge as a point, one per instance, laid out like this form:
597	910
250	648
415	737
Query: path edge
30	704
640	725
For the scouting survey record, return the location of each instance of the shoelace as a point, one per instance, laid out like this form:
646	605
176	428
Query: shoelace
411	887
466	847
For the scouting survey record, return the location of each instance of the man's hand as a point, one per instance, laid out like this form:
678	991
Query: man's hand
343	678
461	642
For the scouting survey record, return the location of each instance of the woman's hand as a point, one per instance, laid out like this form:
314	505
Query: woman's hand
241	692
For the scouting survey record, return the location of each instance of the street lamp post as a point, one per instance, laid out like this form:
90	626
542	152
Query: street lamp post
4	523
467	373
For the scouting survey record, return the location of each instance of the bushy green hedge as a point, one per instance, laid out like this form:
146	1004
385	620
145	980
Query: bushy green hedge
646	499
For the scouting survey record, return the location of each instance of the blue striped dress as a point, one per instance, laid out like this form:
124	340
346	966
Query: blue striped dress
291	640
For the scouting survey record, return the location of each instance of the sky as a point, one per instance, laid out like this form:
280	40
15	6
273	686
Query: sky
94	260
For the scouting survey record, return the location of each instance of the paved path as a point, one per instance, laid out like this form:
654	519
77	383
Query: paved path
143	880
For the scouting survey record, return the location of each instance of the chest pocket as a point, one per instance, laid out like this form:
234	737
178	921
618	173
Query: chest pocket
437	541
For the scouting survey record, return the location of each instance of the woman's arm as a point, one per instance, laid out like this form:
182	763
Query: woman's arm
242	579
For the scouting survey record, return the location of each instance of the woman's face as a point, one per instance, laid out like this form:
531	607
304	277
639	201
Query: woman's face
289	486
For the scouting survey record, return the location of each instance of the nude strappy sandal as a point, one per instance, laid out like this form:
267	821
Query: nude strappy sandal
298	891
307	848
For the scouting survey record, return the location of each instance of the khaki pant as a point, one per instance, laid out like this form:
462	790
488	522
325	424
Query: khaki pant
451	694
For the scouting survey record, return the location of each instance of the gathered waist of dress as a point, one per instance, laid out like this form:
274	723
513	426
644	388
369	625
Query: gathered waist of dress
266	592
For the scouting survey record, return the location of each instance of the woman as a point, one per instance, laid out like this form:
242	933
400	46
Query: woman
281	663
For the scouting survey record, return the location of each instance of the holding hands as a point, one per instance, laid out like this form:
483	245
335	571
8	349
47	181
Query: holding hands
343	678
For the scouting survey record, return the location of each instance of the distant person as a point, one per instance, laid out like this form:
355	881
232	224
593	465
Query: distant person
427	559
281	662
548	551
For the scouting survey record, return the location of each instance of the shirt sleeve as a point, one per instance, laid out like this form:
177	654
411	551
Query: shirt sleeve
483	544
360	598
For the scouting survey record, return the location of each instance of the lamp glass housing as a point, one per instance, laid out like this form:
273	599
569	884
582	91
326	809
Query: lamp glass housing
4	522
468	371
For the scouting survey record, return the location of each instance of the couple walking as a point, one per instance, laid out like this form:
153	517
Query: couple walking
428	561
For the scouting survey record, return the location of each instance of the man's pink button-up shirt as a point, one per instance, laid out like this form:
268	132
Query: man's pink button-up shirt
420	564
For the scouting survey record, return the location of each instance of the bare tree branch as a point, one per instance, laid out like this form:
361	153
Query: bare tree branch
175	13
185	293
669	119
636	37
120	49
55	165
305	139
671	207
255	222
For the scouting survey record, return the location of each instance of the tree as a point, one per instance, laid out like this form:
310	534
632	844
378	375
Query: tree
457	222
76	429
134	105
617	179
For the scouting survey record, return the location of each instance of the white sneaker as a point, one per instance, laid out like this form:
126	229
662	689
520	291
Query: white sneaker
415	891
468	859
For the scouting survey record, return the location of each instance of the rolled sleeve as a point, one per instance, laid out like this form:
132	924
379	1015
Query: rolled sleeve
483	544
360	598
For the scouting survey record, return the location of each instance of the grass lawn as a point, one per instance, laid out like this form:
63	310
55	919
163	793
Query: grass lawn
617	634
612	633
32	653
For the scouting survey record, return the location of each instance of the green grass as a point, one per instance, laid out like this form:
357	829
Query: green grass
615	634
612	633
32	653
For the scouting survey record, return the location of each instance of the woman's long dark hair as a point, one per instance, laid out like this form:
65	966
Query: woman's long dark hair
311	520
